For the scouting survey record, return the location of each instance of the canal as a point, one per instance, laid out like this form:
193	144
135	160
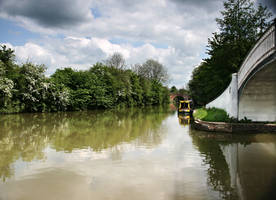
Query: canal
147	154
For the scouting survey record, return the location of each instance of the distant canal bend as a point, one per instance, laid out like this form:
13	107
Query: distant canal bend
130	154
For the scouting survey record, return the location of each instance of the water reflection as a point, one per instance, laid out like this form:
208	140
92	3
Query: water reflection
240	166
149	153
218	172
26	136
184	119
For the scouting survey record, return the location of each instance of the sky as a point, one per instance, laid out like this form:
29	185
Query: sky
79	33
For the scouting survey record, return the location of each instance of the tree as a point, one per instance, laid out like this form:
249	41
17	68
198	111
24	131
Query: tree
6	74
7	57
63	77
6	54
25	88
240	26
152	70
183	91
6	87
173	90
37	93
116	60
136	89
32	86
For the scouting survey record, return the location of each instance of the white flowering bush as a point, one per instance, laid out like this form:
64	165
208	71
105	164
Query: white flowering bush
6	87
38	93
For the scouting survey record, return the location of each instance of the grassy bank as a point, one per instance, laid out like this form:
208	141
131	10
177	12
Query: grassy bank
220	115
211	115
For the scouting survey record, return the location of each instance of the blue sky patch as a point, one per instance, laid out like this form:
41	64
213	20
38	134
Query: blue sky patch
14	34
123	41
96	13
160	45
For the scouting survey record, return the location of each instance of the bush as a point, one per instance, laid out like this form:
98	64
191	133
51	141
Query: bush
212	115
25	88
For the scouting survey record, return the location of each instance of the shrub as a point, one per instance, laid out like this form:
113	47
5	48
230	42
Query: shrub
212	115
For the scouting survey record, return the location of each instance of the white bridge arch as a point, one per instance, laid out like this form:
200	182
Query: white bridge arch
252	91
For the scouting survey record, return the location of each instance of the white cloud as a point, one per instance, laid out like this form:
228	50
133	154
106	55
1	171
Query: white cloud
174	32
82	53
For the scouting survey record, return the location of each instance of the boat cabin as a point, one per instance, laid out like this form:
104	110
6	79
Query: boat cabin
185	107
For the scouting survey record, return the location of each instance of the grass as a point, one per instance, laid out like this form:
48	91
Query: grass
220	115
212	115
200	113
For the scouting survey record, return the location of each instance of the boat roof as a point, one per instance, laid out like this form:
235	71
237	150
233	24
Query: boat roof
185	101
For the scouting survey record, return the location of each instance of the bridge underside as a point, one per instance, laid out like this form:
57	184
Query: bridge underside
257	100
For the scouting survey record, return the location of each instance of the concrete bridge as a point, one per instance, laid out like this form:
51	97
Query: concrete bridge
252	91
243	169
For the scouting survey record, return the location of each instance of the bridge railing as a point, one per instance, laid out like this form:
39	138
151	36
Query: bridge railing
263	48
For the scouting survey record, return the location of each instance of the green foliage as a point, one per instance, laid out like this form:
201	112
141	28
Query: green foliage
26	88
136	89
36	93
6	54
116	60
152	70
217	115
106	87
173	90
183	91
211	115
200	113
240	26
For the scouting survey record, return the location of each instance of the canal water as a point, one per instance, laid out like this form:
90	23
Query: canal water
147	154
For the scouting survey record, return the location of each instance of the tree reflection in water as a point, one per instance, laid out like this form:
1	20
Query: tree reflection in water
25	136
248	156
218	172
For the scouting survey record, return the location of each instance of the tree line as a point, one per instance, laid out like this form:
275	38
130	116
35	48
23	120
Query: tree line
25	88
242	23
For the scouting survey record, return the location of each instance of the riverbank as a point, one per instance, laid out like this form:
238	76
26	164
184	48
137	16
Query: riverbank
234	127
217	120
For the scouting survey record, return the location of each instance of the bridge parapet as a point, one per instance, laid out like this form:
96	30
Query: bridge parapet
251	93
265	47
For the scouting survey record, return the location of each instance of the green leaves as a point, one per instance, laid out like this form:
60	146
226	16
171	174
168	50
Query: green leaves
152	70
211	115
106	87
6	54
240	26
25	88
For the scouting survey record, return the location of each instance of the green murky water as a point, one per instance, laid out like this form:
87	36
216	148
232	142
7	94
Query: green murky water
130	154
